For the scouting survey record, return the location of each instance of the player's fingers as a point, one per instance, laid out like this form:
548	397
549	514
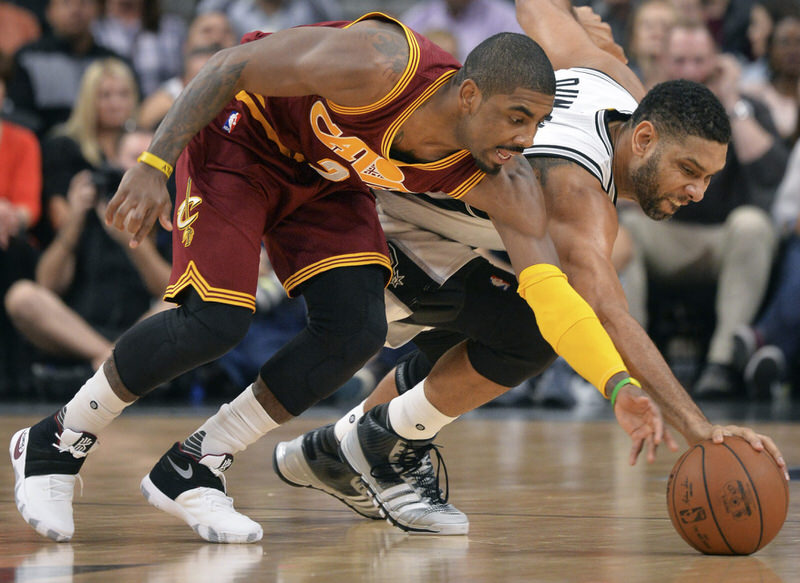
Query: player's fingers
113	207
718	433
749	435
669	439
636	449
145	224
656	421
165	218
652	448
773	450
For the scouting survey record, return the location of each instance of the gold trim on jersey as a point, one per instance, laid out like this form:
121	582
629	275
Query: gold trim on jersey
272	135
208	293
388	137
348	260
410	70
467	185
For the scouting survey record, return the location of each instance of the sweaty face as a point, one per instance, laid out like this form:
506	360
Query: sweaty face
504	125
675	174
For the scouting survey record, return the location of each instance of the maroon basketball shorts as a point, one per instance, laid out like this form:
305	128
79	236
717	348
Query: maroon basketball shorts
223	213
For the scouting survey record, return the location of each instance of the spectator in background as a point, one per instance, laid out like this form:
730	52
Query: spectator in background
90	285
18	26
155	107
761	352
647	39
727	20
779	91
47	72
150	40
107	102
20	206
271	15
208	33
470	21
728	238
210	28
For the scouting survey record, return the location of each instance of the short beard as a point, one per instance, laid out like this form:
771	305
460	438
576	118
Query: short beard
491	170
645	185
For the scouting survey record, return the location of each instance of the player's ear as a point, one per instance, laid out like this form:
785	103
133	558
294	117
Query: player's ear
469	96
645	137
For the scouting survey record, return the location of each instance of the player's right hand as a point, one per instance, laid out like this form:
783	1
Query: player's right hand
141	198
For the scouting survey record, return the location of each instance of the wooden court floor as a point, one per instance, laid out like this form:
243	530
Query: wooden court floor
548	502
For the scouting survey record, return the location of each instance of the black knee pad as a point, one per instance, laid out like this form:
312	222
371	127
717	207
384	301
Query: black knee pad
158	349
346	327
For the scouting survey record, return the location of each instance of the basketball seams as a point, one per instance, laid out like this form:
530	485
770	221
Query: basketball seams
755	493
710	504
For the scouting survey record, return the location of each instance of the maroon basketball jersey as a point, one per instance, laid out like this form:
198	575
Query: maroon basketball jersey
352	144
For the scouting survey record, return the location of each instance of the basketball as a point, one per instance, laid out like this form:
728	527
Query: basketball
727	499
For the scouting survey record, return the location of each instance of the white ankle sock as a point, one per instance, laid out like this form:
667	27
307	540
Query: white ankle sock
346	423
94	406
412	416
231	429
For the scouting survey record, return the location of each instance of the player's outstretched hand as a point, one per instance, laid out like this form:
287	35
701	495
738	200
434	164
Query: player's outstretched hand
758	441
141	198
641	418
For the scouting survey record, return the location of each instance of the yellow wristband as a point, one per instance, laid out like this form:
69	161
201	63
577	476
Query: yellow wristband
155	162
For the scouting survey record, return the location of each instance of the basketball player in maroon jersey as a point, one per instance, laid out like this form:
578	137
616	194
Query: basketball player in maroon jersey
277	140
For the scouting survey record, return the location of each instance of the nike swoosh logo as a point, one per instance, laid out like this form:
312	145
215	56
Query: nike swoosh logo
18	448
185	474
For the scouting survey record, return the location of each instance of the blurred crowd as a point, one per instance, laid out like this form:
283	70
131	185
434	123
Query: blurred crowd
85	83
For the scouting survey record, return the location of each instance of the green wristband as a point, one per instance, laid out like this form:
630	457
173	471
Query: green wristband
619	385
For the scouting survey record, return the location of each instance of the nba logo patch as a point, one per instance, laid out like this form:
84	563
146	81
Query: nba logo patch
231	122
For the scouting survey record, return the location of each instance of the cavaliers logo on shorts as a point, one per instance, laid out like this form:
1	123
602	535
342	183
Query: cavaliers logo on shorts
184	216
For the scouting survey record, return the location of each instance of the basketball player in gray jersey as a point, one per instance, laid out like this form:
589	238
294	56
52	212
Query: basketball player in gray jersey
604	140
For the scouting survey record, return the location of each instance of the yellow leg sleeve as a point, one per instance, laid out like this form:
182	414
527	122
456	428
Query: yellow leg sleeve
569	324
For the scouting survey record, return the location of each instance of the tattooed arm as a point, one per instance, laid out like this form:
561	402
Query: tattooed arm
354	66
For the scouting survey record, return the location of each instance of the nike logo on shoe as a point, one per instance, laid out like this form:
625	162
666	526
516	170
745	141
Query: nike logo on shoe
19	448
186	474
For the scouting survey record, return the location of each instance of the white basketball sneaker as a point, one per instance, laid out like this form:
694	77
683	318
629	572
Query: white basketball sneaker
194	491
46	459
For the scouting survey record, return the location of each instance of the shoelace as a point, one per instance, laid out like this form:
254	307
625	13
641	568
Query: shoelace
414	462
76	453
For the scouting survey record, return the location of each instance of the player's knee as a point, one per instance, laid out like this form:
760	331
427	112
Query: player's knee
356	332
212	329
346	311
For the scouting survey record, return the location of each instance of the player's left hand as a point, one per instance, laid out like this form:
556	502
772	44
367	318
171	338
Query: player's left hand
641	418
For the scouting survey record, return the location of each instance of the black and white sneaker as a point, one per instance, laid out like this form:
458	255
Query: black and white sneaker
46	459
194	491
400	477
764	372
312	461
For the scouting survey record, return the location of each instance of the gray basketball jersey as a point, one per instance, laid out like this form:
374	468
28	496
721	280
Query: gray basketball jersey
586	101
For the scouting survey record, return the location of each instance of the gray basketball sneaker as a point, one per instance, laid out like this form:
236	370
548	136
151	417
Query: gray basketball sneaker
399	475
312	461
